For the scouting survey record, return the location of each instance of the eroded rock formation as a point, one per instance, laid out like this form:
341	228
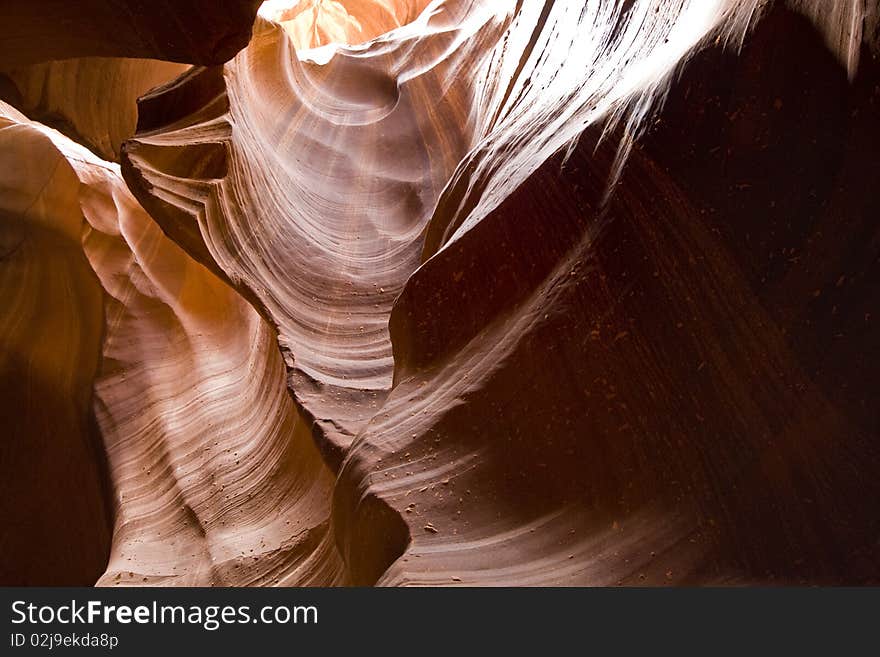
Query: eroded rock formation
322	236
459	292
188	31
93	100
215	479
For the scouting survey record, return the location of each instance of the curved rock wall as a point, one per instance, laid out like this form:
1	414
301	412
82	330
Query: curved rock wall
443	293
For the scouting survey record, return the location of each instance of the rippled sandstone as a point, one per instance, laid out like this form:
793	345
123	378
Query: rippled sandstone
460	292
212	478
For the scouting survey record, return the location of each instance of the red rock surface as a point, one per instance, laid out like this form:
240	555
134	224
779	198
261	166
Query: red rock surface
189	31
448	293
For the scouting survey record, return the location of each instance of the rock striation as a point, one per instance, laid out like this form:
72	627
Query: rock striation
212	476
457	292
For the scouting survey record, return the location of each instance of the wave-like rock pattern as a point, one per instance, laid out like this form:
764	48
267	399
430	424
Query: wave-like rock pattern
215	479
582	382
354	152
628	402
456	293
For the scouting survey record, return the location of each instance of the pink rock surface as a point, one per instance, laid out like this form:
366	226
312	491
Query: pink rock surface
445	293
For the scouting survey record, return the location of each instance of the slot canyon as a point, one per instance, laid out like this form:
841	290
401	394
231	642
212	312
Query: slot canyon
439	292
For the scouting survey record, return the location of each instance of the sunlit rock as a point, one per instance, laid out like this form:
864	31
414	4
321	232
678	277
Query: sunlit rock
453	292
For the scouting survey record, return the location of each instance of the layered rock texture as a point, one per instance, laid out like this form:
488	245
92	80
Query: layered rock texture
458	292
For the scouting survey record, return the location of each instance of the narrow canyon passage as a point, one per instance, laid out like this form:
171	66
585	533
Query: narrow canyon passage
459	292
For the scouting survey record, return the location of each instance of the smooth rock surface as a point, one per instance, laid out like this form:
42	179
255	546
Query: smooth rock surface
461	292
